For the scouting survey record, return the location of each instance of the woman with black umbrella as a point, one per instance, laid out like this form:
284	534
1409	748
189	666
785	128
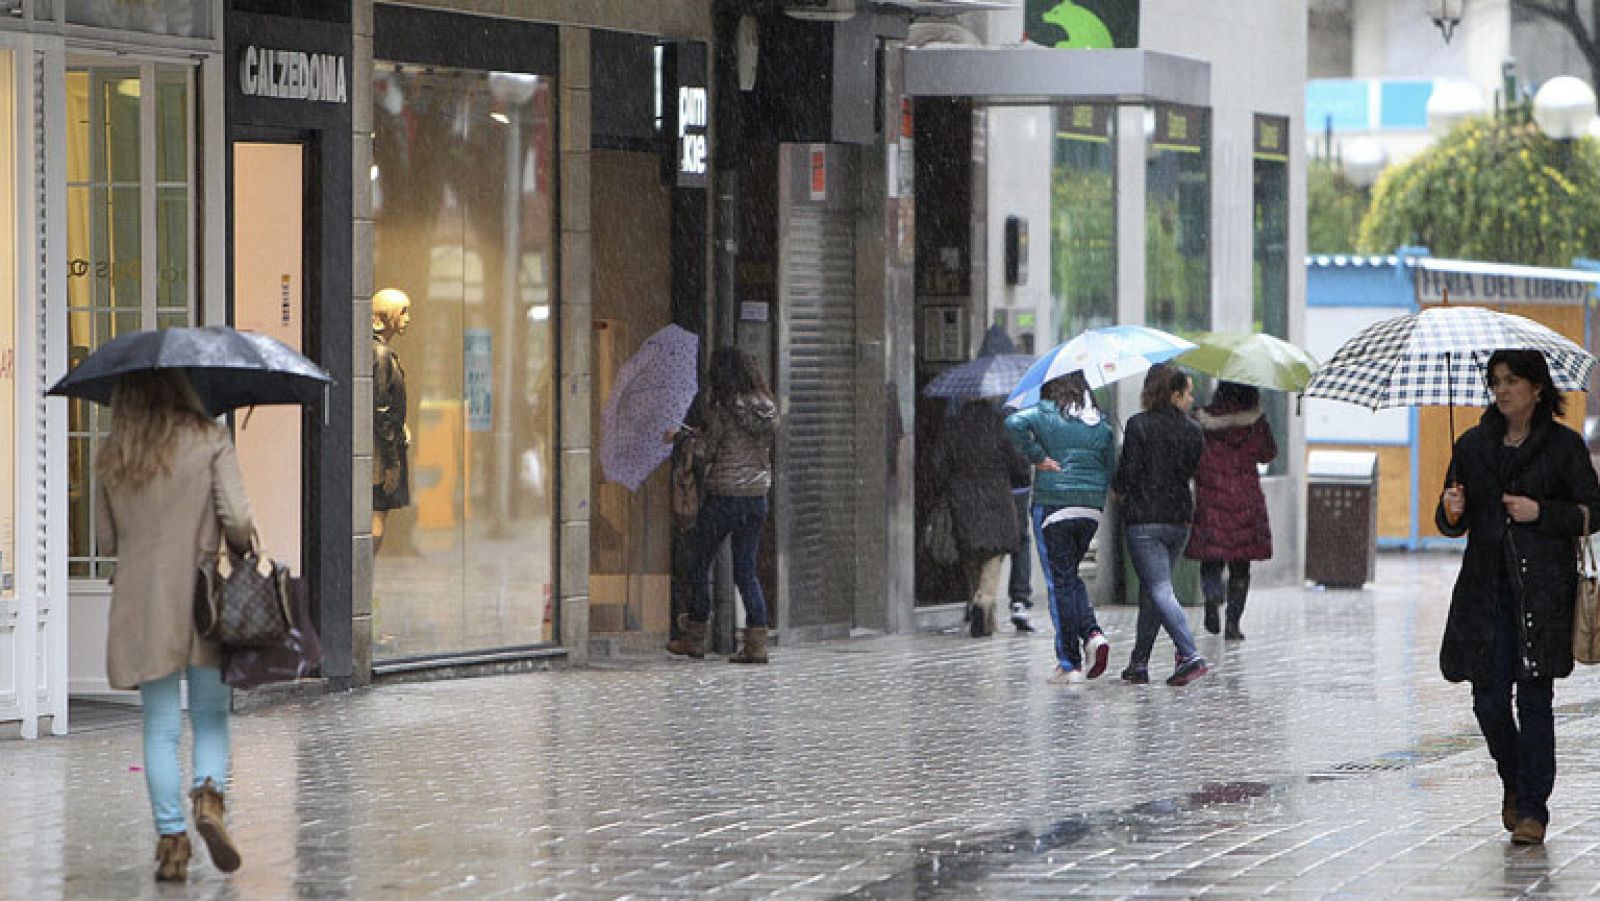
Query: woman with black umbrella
169	493
1518	487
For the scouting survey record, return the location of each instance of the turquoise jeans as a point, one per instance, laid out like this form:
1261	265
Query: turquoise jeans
163	727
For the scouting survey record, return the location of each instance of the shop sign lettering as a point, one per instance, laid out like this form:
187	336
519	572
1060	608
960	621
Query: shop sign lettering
8	364
129	270
1489	287
693	116
292	75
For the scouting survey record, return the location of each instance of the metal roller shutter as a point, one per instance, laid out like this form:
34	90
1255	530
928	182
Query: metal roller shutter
820	424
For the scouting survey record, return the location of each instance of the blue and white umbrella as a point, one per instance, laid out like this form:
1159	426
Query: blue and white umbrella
1104	355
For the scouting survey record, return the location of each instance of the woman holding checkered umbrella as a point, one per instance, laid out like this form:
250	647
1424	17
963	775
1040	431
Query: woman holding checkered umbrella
1520	487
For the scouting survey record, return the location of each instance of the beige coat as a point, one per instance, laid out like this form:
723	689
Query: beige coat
159	533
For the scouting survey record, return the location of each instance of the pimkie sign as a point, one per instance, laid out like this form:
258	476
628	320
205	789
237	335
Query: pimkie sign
685	106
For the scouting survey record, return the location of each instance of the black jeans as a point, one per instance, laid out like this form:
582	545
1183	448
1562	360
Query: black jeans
1524	747
1238	584
1020	589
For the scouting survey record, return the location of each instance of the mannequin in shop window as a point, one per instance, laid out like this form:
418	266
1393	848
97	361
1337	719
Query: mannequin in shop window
391	474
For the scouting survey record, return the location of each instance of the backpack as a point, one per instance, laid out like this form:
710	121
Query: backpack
688	480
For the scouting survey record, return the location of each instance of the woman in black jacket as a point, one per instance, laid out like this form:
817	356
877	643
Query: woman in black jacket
1160	450
1517	484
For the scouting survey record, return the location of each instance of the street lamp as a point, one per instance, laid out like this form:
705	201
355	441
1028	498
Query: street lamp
1564	108
1446	14
1364	160
1451	103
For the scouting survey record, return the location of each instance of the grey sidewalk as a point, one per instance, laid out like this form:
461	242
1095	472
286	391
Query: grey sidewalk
1323	756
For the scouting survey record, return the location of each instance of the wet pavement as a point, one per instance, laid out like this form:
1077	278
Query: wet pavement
1323	757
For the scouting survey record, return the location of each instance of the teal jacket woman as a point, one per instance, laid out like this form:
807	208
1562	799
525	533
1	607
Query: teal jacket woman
1069	444
1083	450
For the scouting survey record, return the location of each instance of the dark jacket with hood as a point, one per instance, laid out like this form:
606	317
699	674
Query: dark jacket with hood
975	468
1160	450
1230	512
1529	566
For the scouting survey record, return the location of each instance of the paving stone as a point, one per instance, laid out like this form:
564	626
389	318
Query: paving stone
1322	758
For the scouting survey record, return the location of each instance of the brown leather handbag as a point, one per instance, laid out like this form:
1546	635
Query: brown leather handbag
246	603
1586	605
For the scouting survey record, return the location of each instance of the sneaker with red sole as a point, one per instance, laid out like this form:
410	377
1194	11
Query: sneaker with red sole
1188	671
1097	651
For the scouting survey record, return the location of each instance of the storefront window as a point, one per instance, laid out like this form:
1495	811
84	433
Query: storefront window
118	200
1272	255
462	183
1178	220
179	18
1083	222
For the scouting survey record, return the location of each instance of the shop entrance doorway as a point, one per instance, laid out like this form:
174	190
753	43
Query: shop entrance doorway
630	536
268	297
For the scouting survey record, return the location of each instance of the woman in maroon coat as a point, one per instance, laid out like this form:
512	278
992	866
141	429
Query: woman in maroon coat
1230	512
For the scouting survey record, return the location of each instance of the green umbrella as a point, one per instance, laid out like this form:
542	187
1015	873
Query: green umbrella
1260	360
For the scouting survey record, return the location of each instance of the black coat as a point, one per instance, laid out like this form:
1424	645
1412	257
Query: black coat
1535	560
975	468
1160	451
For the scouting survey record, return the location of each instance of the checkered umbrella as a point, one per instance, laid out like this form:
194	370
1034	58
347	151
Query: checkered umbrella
991	376
1437	358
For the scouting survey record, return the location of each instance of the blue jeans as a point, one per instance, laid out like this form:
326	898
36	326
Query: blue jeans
163	727
1524	747
741	517
1155	548
1064	545
1020	588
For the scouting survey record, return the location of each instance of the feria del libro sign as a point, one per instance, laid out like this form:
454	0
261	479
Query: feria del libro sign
292	75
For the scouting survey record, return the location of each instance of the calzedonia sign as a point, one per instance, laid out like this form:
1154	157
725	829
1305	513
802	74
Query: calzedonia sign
292	75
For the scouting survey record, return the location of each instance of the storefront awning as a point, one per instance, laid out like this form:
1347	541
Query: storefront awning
1029	75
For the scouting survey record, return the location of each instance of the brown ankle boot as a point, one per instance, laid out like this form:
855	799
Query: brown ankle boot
208	814
755	646
172	857
692	643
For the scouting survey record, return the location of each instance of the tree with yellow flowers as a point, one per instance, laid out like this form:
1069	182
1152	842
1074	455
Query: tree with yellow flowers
1495	190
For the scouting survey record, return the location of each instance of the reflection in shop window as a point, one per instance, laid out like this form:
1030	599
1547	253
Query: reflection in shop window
110	290
462	183
1083	270
1178	219
1271	268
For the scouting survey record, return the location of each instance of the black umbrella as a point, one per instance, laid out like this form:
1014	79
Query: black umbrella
228	368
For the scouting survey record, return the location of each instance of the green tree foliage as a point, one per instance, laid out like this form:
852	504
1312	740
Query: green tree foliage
1495	190
1334	208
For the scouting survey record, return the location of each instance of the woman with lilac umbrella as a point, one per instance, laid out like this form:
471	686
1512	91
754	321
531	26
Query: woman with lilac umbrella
737	424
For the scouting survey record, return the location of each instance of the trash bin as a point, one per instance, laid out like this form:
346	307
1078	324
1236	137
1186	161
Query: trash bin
1341	518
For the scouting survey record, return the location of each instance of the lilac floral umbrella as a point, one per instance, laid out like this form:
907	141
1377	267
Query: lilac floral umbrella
652	393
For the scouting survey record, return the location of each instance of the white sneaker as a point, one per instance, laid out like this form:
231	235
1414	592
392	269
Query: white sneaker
1096	651
1062	676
